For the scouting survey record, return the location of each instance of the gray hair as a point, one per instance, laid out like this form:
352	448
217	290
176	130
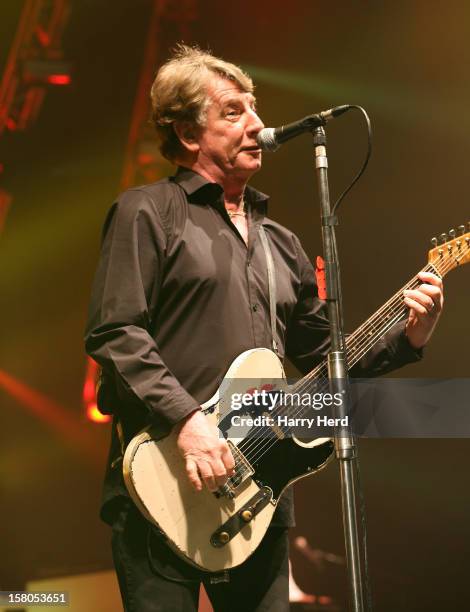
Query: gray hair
179	92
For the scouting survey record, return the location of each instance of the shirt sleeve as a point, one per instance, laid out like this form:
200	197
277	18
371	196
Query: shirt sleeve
124	296
308	336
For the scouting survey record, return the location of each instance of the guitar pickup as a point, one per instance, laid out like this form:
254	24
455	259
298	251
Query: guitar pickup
242	470
235	523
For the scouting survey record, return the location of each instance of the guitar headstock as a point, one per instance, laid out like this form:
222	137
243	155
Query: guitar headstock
450	250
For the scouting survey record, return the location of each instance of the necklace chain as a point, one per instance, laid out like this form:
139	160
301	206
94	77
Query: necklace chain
238	213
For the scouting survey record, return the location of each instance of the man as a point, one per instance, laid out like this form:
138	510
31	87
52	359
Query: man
180	291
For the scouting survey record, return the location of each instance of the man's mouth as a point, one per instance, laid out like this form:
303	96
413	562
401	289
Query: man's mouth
253	149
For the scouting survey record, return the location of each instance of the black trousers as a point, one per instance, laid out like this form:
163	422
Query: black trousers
154	579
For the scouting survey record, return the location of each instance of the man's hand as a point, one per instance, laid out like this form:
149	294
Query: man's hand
425	304
207	456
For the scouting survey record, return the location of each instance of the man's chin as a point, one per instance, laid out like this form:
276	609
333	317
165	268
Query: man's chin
246	172
244	168
251	167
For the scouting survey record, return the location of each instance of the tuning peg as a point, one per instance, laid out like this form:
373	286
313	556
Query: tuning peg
461	229
452	234
443	238
434	242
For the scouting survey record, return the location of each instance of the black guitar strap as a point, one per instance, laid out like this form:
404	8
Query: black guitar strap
271	286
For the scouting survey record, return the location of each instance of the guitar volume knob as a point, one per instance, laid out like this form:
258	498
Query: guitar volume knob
247	515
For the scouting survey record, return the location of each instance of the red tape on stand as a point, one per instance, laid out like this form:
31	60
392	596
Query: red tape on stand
321	277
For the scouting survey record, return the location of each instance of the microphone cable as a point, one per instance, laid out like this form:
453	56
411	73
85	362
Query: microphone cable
365	162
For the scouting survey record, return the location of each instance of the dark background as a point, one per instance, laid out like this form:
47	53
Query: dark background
407	64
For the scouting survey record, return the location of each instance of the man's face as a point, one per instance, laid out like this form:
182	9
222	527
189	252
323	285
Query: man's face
227	141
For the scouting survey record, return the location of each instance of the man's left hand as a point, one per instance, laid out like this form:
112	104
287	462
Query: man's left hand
425	304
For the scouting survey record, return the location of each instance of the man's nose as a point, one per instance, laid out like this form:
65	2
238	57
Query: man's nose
255	125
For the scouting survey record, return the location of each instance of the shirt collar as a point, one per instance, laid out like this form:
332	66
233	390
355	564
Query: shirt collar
199	189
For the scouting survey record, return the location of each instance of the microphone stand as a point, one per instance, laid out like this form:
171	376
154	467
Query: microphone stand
345	445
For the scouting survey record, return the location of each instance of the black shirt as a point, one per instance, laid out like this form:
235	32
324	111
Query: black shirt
178	295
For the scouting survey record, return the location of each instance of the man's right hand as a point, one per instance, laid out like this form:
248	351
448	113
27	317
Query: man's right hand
207	456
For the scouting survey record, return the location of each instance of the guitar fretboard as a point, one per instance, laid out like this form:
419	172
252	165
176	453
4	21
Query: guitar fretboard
361	341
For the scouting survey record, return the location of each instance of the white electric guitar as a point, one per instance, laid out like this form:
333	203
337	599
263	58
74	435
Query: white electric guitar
217	531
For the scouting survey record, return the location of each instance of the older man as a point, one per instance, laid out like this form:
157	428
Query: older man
181	290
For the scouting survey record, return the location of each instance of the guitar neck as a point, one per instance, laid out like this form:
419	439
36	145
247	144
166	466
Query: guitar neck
366	336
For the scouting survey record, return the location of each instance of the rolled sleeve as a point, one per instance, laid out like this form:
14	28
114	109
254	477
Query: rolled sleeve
391	352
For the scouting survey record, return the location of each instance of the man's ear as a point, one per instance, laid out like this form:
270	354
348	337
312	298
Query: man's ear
187	133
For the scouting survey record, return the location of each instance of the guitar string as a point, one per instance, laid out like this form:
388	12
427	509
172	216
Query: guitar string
355	354
359	346
322	382
265	442
260	442
369	340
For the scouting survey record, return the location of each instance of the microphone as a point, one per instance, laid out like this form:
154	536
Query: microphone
270	139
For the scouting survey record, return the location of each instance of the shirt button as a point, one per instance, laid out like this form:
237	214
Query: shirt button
255	307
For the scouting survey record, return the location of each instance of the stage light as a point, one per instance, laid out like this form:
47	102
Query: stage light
59	79
48	71
89	394
89	391
94	415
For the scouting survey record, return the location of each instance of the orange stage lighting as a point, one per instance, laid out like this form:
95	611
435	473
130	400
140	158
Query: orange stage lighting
65	423
92	411
94	415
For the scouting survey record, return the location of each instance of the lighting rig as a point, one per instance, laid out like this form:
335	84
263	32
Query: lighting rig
35	63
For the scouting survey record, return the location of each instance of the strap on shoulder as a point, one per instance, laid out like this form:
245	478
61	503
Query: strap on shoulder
271	286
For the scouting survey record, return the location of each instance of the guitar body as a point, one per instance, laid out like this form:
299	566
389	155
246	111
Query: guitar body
155	476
